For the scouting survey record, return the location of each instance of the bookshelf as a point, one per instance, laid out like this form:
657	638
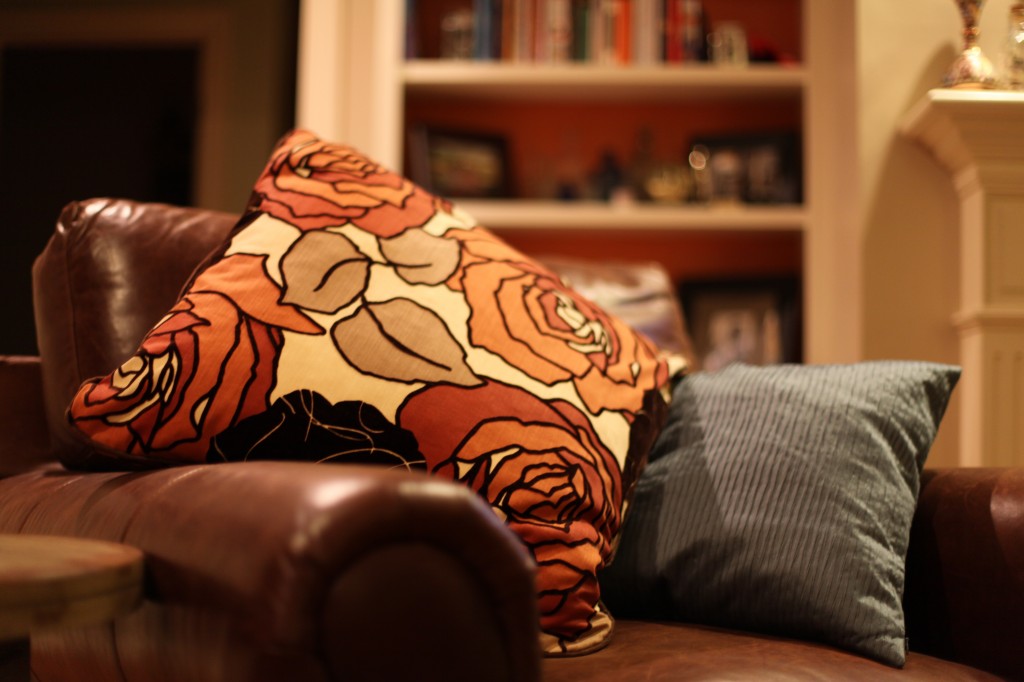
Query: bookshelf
592	84
372	102
562	116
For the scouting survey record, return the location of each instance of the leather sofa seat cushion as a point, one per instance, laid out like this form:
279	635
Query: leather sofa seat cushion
657	651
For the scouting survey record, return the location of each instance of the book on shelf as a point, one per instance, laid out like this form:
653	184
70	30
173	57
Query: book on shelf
685	31
641	32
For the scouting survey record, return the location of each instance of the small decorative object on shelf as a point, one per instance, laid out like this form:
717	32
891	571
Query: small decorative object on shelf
1013	78
752	168
755	321
608	179
727	44
972	69
685	31
458	163
457	39
669	183
701	173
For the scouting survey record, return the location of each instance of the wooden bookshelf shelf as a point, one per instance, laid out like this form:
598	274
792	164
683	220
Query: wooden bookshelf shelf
583	215
661	83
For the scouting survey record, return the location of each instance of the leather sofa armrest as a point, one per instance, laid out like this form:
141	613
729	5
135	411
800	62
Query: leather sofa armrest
24	442
964	595
278	570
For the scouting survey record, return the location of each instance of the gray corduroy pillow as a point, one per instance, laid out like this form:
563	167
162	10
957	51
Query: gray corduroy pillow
779	499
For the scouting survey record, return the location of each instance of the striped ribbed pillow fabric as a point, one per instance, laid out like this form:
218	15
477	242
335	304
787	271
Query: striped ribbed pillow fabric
779	499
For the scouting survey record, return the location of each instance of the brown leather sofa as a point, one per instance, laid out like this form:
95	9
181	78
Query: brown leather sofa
285	571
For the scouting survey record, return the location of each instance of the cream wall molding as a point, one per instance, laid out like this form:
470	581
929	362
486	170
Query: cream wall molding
978	136
962	127
988	319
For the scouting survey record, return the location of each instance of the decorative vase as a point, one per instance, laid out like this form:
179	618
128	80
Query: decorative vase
972	69
1013	78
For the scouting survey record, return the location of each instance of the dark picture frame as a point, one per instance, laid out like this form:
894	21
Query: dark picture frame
459	164
755	321
754	168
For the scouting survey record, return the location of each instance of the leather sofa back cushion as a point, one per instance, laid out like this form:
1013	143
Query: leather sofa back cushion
353	317
109	272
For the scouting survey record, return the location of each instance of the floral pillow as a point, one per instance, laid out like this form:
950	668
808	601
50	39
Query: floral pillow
353	317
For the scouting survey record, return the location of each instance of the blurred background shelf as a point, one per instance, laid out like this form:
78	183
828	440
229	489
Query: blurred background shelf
589	82
587	215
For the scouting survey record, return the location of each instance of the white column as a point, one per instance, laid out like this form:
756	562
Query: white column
979	137
350	74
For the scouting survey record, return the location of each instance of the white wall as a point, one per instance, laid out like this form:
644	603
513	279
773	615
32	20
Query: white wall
909	211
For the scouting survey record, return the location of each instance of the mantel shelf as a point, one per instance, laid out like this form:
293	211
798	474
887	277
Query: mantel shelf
500	80
586	215
963	127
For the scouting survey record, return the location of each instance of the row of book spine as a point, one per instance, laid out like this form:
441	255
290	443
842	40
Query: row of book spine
596	31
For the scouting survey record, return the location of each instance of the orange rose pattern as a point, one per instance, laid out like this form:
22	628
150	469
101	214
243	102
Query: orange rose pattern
543	467
313	184
494	372
523	312
210	360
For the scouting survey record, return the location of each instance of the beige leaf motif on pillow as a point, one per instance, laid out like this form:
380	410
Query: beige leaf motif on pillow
401	340
323	271
420	257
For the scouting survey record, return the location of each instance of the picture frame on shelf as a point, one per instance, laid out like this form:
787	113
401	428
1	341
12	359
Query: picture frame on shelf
459	164
755	321
754	168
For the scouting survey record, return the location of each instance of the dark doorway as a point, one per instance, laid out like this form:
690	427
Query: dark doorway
79	122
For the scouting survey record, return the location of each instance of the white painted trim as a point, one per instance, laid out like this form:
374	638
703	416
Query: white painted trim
322	58
388	100
349	74
833	259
